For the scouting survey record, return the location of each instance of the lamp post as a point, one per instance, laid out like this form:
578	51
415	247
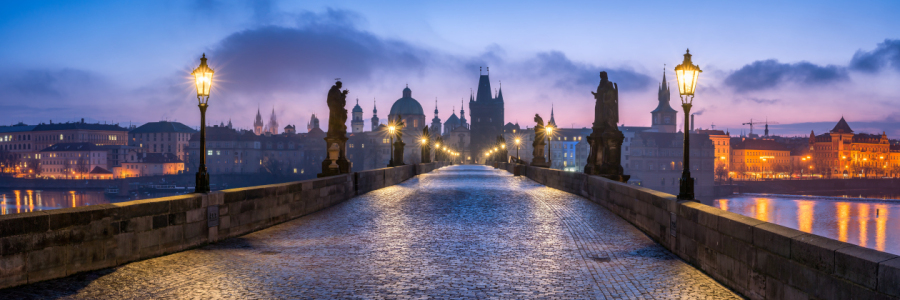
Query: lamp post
391	130
203	80
518	141
549	130
437	147
687	74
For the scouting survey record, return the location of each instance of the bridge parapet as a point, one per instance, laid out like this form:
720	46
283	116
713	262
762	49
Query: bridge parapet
757	259
41	245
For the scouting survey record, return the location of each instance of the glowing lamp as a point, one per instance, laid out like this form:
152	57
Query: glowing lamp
518	141
687	74
203	75
504	146
424	141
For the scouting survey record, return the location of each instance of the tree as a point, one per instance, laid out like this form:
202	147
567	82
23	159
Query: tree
33	166
67	167
82	165
7	162
721	173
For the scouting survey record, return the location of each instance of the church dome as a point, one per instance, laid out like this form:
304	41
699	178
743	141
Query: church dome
407	105
452	120
357	108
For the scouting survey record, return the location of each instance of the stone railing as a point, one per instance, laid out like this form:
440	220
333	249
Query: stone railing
42	245
757	259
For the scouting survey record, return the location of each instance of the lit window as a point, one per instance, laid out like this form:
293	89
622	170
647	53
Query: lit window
209	152
60	137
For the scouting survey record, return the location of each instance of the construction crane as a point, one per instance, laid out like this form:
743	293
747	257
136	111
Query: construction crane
757	122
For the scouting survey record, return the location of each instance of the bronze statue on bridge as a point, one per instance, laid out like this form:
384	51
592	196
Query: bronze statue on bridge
605	158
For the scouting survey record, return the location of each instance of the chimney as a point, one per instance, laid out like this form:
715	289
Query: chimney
82	120
692	122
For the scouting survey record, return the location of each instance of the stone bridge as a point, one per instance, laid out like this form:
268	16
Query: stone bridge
429	231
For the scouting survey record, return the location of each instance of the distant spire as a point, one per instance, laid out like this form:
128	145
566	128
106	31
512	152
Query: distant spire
435	107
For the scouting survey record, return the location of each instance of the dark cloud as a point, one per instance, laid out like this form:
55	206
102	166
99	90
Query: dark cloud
569	74
885	55
48	85
767	74
758	100
328	46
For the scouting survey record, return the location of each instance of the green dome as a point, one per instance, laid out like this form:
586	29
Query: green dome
407	105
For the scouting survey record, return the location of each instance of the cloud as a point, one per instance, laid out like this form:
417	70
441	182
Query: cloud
767	74
328	46
699	112
568	74
758	100
885	55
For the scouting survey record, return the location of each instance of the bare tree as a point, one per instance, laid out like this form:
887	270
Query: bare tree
82	165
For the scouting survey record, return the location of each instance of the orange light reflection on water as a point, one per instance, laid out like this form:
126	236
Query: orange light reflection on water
863	212
881	226
843	218
762	209
805	215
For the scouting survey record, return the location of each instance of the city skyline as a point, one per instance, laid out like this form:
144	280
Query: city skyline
107	64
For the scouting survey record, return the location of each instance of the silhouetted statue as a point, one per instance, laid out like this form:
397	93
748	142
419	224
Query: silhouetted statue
337	118
606	139
336	162
426	146
538	159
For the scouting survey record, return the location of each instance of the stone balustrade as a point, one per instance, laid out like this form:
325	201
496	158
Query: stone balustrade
42	245
757	259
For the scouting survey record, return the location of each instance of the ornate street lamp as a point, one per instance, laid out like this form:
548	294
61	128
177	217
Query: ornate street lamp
687	74
549	131
391	130
518	141
203	75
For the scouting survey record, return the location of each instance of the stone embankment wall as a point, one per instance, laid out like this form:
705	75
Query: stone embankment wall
42	245
757	259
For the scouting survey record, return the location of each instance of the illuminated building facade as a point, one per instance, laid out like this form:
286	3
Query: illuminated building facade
840	152
760	158
162	137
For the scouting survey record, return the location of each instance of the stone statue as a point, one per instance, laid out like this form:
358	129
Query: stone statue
607	106
336	162
606	139
426	154
538	159
337	118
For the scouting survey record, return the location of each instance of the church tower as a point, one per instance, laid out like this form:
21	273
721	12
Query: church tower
487	116
663	115
313	123
552	121
258	124
436	122
357	123
272	127
374	116
462	113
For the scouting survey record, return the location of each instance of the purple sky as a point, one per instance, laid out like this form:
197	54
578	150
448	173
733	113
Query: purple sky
800	62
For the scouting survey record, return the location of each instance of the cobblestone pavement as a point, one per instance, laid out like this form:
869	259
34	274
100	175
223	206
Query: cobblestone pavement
459	232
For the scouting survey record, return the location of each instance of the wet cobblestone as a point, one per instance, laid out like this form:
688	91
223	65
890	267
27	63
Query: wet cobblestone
459	232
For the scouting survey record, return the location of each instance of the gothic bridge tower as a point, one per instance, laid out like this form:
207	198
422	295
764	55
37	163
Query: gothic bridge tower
486	113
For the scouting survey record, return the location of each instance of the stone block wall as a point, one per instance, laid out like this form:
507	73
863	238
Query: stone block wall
43	245
757	259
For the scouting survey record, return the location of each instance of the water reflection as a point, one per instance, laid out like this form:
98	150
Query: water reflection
850	220
22	201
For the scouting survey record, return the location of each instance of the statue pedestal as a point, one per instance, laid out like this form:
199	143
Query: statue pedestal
540	162
605	157
336	163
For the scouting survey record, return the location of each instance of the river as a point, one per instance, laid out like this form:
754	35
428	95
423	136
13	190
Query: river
871	223
20	201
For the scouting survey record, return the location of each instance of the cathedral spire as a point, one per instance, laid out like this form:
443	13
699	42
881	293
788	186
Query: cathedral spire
435	107
552	120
